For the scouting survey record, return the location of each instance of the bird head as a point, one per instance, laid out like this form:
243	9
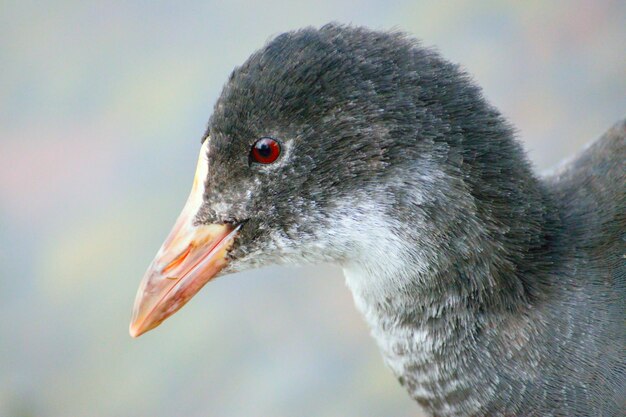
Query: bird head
306	159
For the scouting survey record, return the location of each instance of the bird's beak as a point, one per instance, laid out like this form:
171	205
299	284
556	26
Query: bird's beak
190	257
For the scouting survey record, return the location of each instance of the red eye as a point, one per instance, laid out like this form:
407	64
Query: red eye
265	151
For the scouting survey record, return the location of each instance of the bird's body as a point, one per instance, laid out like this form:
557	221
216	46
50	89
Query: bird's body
490	291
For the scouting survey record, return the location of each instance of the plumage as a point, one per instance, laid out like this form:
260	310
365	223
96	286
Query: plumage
490	290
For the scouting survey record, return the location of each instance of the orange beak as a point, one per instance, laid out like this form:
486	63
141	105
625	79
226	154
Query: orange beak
190	257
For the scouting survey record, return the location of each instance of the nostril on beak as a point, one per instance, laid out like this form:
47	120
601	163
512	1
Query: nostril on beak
178	260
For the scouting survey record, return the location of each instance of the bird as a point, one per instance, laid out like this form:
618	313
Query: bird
490	289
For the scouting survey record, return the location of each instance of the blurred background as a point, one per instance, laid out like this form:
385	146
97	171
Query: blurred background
102	106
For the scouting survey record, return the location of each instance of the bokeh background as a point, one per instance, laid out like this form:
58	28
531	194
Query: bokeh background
102	106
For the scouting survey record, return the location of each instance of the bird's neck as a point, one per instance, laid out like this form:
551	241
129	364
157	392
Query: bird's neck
439	291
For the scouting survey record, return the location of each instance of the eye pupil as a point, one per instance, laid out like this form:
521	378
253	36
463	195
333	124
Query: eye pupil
265	151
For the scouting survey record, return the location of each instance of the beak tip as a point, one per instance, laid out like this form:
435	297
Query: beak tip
135	331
